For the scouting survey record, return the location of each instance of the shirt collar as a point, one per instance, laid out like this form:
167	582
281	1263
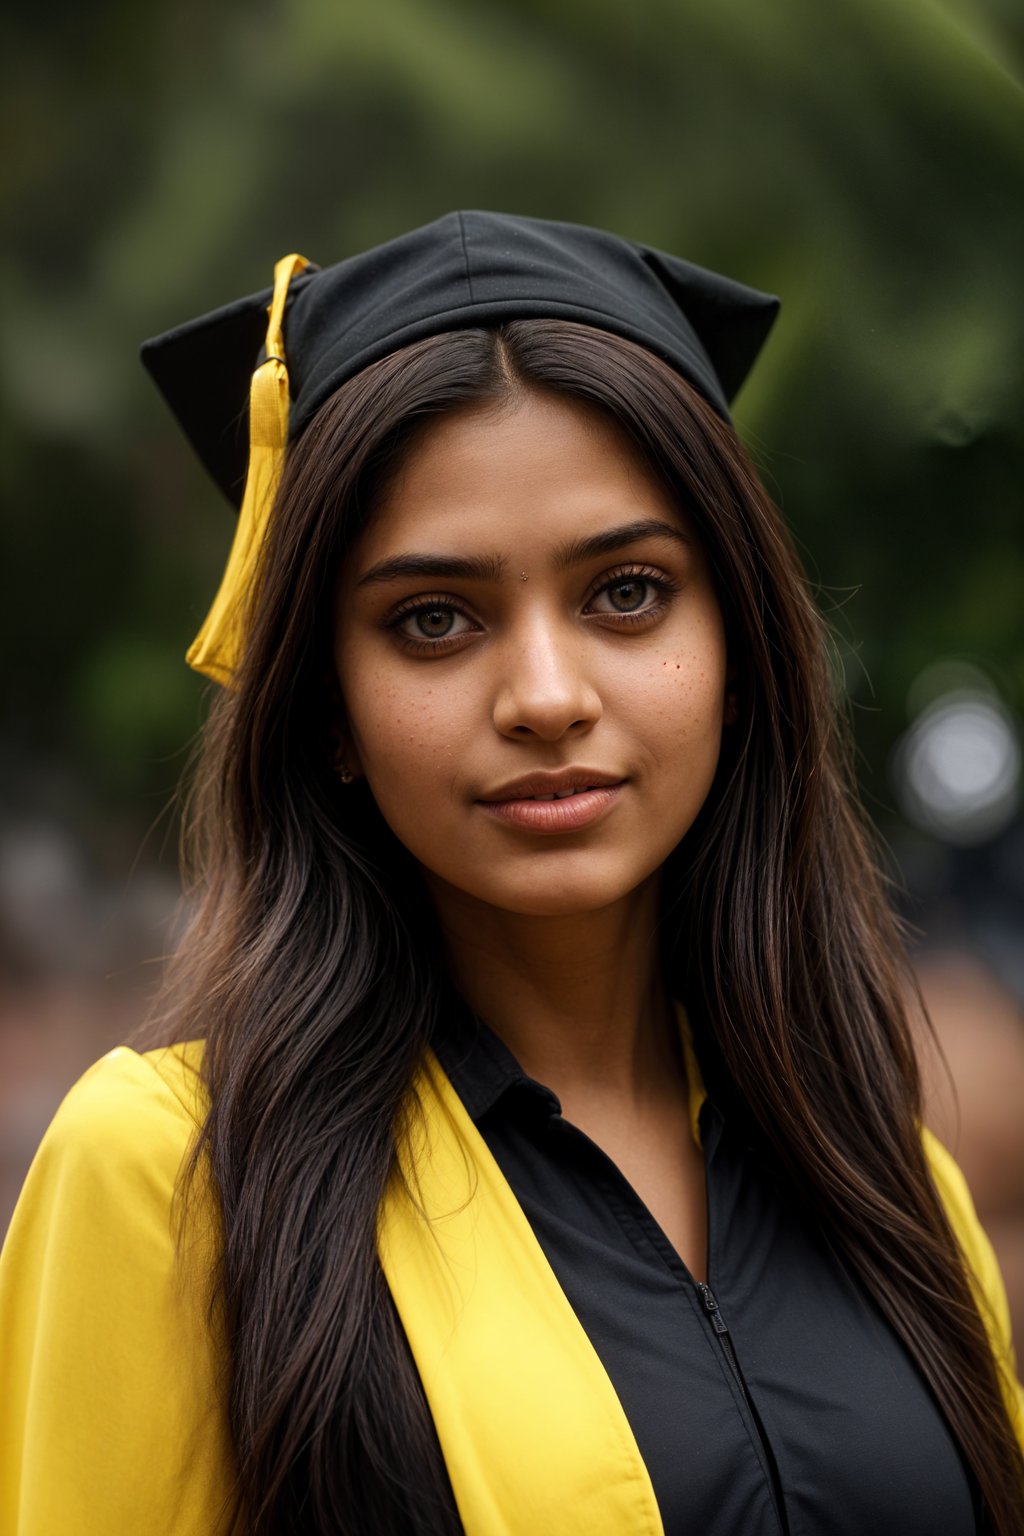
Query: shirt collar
483	1070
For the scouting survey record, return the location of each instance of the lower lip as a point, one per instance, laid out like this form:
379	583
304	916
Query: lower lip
555	816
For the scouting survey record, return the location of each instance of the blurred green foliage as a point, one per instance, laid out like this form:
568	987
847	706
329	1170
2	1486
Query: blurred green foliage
863	158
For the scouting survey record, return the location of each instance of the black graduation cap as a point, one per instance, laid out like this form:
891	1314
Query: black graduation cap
464	269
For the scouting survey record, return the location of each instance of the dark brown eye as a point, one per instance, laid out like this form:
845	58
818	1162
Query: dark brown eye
627	596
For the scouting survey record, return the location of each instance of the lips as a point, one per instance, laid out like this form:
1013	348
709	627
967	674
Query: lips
566	794
553	804
558	785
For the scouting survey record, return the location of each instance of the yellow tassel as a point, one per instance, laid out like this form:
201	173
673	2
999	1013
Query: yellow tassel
217	648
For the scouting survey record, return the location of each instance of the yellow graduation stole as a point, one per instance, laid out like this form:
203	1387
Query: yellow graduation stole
529	1423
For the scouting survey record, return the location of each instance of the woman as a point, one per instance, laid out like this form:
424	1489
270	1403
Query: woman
527	739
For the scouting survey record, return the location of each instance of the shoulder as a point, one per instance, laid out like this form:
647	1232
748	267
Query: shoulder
113	1415
130	1116
125	1089
101	1189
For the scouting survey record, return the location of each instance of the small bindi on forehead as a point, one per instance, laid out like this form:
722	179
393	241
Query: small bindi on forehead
493	567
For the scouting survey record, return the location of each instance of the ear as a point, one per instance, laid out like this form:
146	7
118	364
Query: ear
345	757
345	761
344	753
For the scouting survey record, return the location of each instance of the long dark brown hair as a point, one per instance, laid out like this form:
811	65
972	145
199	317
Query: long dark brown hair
309	971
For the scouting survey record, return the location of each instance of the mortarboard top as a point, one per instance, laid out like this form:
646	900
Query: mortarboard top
465	269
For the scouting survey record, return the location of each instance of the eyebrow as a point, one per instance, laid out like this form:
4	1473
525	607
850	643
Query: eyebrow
470	568
493	567
590	548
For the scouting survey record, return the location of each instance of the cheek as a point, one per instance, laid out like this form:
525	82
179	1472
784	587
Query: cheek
678	704
408	735
694	687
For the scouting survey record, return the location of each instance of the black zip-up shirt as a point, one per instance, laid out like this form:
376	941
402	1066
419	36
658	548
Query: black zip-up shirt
773	1401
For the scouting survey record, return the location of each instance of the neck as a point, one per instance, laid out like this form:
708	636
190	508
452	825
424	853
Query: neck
579	1000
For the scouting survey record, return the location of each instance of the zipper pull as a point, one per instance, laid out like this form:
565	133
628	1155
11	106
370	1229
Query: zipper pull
711	1307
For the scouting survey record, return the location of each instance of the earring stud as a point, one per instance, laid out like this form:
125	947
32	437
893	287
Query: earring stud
341	767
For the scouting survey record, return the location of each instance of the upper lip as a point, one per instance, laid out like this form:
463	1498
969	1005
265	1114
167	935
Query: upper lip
559	782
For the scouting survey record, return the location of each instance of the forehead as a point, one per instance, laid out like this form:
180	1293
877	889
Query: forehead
534	470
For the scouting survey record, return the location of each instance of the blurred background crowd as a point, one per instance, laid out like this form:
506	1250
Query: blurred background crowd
864	159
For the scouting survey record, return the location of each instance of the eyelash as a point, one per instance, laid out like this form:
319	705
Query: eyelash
663	585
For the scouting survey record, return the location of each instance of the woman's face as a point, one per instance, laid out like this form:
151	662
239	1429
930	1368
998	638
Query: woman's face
529	614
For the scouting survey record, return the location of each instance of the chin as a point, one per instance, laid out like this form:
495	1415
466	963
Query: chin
555	904
557	894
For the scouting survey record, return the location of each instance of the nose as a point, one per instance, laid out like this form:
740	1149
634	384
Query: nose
543	688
